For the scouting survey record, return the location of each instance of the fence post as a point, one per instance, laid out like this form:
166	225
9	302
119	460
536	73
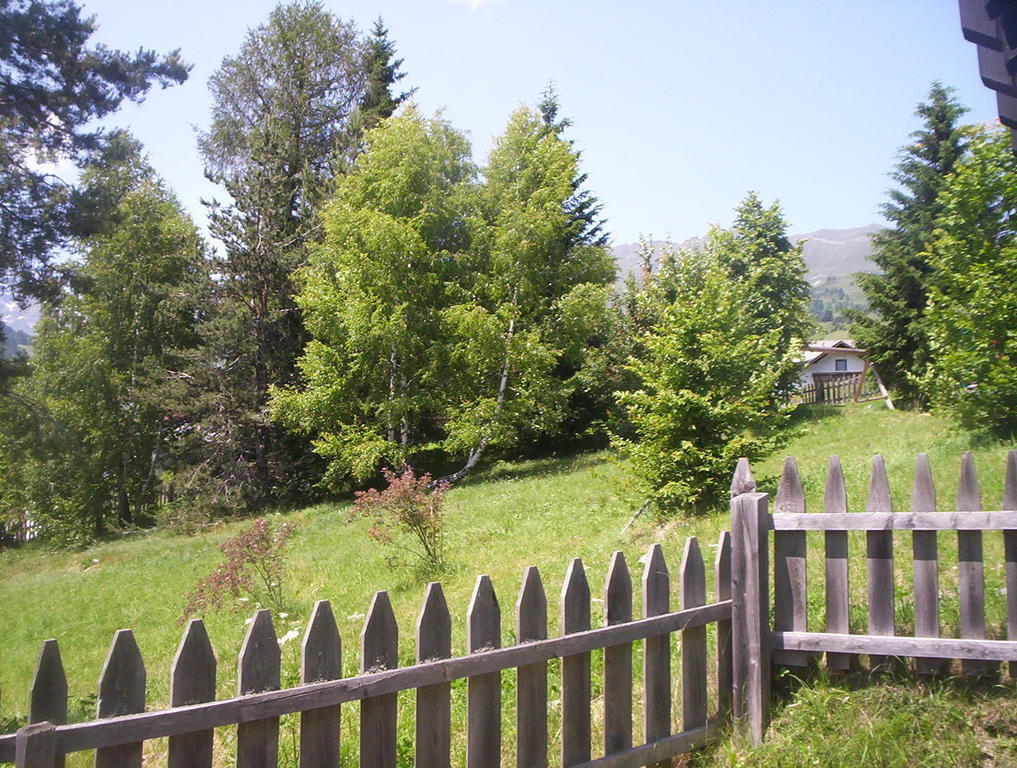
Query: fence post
35	746
750	594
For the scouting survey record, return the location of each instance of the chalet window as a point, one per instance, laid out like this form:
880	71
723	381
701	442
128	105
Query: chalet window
840	365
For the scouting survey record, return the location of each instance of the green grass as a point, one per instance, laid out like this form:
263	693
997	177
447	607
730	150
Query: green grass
537	512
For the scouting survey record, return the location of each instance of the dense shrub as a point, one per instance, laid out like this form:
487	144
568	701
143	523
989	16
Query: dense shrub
409	515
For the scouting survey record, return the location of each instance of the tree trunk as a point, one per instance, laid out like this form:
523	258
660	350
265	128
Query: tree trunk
474	458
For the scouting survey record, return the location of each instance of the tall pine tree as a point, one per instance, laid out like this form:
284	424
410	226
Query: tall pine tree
281	110
893	330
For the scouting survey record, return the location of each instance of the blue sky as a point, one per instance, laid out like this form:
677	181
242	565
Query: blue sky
679	107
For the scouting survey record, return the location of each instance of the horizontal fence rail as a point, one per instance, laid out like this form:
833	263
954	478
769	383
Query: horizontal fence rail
789	643
123	726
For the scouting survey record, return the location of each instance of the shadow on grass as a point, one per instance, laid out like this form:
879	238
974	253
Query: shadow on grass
521	469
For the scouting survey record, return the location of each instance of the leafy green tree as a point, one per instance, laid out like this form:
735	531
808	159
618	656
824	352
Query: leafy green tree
281	109
756	251
104	406
972	301
707	382
893	330
376	297
443	312
541	293
53	85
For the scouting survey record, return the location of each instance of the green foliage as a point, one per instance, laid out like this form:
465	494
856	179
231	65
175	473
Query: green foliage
252	573
281	110
971	316
376	296
708	383
891	725
720	332
446	315
378	101
53	85
756	251
408	508
893	331
91	429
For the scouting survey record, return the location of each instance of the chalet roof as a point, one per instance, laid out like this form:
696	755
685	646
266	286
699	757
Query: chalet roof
813	353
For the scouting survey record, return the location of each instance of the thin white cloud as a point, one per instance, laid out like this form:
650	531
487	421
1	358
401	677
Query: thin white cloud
474	5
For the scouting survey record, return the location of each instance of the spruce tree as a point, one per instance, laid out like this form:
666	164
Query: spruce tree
893	330
53	86
281	109
379	101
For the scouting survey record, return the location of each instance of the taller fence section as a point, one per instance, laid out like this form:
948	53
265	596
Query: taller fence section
118	736
789	642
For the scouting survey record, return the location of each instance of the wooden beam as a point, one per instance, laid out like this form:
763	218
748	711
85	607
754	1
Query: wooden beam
896	521
214	714
914	647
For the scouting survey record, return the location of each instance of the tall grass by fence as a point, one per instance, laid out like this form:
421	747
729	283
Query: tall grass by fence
123	725
789	643
747	646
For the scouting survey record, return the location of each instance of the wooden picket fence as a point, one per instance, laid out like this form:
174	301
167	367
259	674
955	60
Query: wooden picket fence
757	646
18	531
123	725
859	388
748	645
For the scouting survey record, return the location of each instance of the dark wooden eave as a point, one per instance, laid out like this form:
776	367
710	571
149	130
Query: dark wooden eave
992	26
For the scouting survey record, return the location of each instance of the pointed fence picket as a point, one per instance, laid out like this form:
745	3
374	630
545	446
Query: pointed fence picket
434	702
321	658
531	679
192	681
121	692
194	713
379	650
617	660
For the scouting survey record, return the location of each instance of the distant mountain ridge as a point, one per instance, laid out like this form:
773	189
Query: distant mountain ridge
829	253
13	316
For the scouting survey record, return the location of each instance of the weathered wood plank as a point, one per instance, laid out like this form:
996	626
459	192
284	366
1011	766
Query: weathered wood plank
47	698
121	692
970	567
659	751
321	658
379	649
898	521
789	562
656	650
170	722
531	679
879	560
434	702
692	580
926	564
617	659
575	669
258	669
750	592
1010	552
36	746
722	586
836	551
483	692
192	681
915	647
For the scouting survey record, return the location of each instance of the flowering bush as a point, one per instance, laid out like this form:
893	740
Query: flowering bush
410	506
251	570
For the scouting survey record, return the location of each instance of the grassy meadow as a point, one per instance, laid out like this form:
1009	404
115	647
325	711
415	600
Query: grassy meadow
538	512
